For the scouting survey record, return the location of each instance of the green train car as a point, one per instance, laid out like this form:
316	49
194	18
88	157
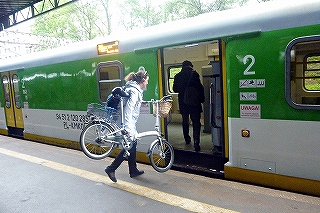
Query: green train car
260	67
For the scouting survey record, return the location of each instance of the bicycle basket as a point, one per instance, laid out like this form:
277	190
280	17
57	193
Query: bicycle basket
164	108
100	111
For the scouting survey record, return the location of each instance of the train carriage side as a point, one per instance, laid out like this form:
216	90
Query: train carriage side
267	101
55	87
273	109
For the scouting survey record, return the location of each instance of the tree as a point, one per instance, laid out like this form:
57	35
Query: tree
85	19
106	5
74	22
137	14
179	9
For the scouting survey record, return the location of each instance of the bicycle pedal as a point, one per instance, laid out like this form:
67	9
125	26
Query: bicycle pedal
127	146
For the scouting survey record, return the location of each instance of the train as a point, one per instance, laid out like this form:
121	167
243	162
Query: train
260	67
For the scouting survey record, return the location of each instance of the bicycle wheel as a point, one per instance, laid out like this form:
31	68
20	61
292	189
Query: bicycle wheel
93	140
161	156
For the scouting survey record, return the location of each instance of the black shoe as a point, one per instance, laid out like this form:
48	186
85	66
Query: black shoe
197	148
111	174
187	140
137	173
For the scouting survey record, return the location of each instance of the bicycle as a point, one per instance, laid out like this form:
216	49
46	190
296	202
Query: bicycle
103	134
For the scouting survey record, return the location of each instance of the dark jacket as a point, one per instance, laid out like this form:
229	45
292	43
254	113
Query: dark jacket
179	85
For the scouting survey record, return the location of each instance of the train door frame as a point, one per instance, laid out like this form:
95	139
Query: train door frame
217	102
221	94
225	133
213	58
13	107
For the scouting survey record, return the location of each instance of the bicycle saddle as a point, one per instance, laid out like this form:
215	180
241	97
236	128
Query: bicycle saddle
120	92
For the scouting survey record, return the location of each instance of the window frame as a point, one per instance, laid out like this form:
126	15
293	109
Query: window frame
100	82
288	75
169	76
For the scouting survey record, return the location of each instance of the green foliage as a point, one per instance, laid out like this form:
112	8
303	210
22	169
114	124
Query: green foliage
70	23
85	20
312	72
179	9
172	72
137	14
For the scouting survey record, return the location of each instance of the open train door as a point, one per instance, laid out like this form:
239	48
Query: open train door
208	59
215	118
12	103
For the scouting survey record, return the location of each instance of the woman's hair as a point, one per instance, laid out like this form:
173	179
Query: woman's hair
138	77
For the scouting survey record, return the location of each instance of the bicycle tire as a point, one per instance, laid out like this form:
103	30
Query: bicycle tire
92	143
161	159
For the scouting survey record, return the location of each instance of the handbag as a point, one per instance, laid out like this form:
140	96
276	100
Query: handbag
191	95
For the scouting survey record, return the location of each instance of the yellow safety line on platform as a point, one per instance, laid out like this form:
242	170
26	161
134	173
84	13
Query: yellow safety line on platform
170	199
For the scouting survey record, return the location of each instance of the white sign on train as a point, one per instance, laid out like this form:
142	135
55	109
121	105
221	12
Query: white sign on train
250	111
248	96
252	83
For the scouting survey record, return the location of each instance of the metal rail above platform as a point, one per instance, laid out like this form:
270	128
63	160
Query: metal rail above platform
15	12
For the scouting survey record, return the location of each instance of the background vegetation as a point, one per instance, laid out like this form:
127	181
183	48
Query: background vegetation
86	20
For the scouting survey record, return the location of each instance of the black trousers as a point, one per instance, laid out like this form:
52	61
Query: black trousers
196	125
131	159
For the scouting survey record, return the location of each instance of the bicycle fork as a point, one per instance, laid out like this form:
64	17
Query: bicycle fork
157	141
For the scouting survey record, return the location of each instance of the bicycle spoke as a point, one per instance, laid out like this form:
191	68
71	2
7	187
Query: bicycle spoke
161	156
93	143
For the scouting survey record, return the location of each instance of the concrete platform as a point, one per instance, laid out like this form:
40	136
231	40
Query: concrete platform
36	178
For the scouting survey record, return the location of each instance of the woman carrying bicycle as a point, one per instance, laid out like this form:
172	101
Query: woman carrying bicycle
136	84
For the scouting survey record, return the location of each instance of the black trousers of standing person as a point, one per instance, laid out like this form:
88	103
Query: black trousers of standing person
196	125
131	160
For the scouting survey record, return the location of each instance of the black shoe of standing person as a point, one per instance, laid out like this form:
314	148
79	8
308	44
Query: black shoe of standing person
136	173
111	174
196	146
188	140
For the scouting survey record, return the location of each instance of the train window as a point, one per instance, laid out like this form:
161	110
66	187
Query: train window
312	72
303	73
6	90
109	76
172	71
17	99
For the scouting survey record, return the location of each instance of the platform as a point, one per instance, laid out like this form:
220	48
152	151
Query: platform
38	178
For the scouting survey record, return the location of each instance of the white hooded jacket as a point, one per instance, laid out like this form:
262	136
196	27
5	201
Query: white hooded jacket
132	107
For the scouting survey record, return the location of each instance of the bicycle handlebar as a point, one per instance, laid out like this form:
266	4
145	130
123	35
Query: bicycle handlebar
164	98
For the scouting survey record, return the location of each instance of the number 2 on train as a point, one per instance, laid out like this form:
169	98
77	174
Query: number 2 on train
247	71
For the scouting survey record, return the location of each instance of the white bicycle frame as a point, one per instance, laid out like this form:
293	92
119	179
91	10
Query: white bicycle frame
155	132
126	143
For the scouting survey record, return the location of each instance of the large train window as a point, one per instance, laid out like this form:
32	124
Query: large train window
303	73
17	99
6	90
109	75
172	71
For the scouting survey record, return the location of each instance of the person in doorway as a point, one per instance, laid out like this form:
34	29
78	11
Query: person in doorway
187	76
136	84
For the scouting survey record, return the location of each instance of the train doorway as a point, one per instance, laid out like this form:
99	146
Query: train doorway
207	60
12	103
